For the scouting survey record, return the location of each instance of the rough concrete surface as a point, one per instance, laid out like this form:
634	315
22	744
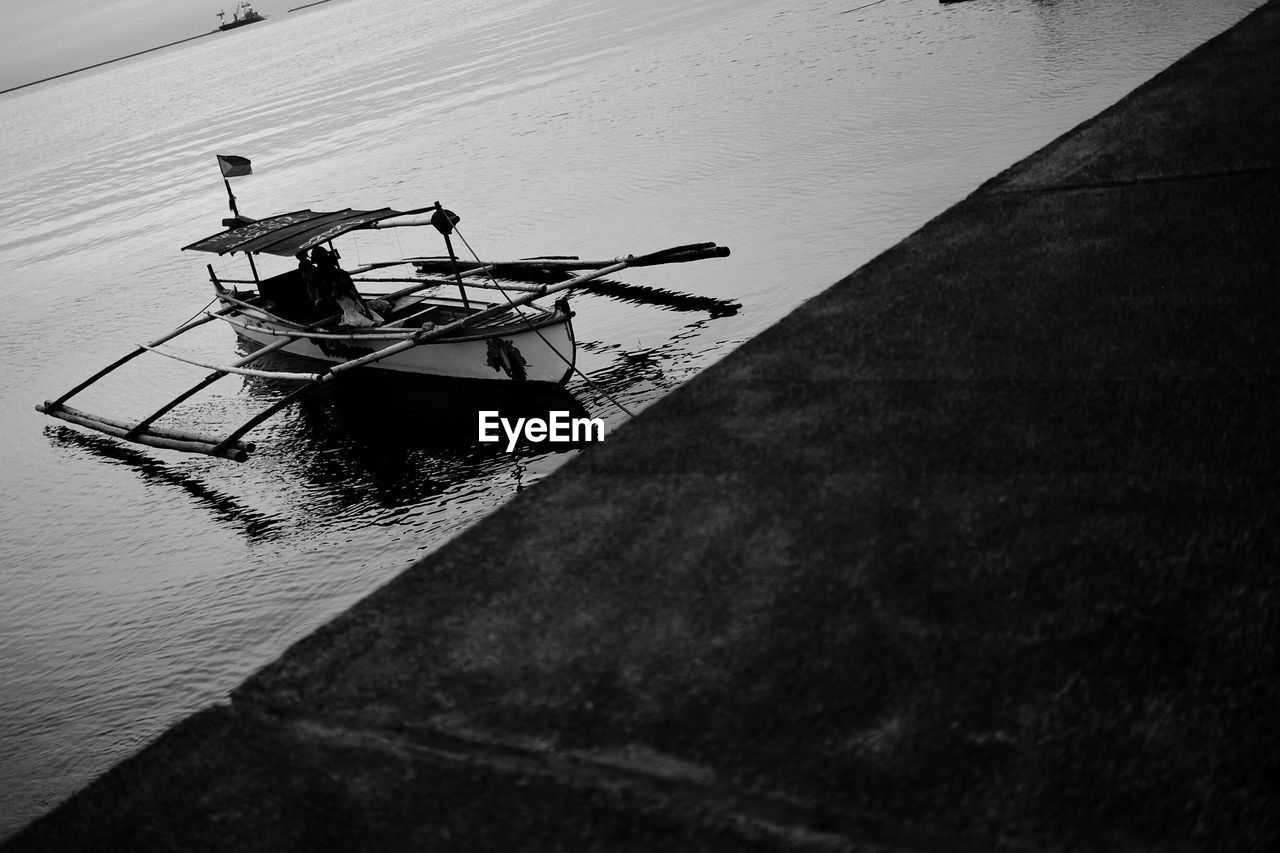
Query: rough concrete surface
976	550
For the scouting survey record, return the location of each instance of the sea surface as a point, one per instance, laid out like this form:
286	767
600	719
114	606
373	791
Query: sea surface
139	585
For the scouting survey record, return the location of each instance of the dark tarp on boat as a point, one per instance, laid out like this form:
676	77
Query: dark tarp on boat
290	233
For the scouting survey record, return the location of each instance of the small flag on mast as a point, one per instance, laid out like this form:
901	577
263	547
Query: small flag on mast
233	166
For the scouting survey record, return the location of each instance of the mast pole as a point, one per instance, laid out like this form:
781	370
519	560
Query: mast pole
444	220
236	220
231	197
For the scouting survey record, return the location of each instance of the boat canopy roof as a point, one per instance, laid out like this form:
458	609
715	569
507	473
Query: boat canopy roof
290	233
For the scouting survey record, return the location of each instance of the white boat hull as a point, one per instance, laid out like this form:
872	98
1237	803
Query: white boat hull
542	351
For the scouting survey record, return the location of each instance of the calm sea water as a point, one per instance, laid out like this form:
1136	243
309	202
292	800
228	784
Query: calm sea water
138	585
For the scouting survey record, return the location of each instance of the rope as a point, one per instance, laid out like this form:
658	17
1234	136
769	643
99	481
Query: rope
204	310
531	328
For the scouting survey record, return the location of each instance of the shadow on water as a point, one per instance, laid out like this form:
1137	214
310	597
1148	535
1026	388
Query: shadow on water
253	524
634	294
398	440
442	414
670	299
401	412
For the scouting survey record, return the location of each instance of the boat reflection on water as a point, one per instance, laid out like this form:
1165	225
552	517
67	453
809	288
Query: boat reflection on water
253	524
398	440
673	300
410	412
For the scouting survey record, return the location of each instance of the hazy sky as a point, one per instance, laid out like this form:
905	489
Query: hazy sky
39	38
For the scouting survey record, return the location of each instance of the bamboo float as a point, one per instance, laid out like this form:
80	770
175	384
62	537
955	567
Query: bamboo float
187	442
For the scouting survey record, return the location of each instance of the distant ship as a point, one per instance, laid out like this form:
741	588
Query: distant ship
244	14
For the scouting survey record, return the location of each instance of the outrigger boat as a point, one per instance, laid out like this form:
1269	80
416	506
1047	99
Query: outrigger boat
315	312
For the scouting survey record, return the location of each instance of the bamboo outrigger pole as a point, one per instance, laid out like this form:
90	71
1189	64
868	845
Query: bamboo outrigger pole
143	432
48	405
427	285
217	374
563	263
187	442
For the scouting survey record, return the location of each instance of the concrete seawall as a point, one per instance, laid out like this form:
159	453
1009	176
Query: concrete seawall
978	549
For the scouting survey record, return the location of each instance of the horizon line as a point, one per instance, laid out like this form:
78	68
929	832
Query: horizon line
106	62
